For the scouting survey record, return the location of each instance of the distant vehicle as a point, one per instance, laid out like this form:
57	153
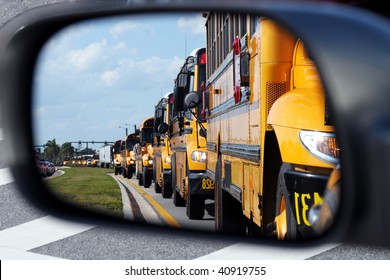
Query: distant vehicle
94	160
191	185
105	156
52	167
67	161
117	156
45	168
144	154
128	155
162	175
42	169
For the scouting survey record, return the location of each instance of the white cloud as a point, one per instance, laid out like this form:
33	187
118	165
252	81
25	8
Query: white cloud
195	24
109	77
84	58
125	26
102	83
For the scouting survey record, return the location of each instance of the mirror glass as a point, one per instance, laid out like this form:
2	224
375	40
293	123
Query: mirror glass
257	156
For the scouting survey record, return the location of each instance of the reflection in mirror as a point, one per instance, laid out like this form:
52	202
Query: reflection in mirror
252	157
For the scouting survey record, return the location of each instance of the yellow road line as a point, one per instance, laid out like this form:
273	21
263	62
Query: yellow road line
167	217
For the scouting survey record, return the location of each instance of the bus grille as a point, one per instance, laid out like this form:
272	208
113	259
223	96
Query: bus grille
274	91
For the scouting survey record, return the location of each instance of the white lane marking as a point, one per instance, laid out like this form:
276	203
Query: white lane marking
147	210
6	176
14	254
40	232
245	251
1	134
127	212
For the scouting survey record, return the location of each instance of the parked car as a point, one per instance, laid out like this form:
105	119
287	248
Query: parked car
42	169
45	168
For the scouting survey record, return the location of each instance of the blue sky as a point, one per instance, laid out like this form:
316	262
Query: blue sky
98	75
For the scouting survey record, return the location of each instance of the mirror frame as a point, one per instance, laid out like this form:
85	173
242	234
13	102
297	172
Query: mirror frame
362	131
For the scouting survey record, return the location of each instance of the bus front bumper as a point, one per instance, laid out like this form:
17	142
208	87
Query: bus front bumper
201	184
305	190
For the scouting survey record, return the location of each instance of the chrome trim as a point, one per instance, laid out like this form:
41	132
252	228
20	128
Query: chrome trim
243	151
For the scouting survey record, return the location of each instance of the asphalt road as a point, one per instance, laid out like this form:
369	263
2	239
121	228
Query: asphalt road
29	233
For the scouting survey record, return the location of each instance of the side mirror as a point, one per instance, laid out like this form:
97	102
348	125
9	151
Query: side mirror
163	128
335	50
192	100
178	99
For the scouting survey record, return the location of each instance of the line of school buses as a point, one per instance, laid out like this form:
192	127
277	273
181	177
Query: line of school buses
249	128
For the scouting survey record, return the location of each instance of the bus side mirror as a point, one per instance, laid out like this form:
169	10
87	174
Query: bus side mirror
163	128
178	99
192	100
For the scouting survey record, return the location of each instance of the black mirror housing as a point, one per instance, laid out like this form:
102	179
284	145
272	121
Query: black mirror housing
356	114
192	100
163	128
178	99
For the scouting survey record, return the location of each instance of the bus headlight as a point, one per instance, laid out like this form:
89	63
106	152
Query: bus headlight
199	156
167	159
321	144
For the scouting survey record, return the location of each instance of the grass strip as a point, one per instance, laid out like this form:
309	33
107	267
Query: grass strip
90	188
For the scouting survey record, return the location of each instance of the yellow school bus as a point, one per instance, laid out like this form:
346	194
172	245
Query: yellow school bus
144	153
162	176
117	156
128	155
271	146
191	186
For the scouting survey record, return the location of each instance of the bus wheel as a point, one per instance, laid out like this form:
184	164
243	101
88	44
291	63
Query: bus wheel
285	224
157	187
140	181
228	211
178	201
195	207
166	189
129	173
146	179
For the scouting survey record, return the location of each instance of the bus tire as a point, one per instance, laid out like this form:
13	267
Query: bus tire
140	181
166	189
129	173
178	201
195	207
147	179
157	187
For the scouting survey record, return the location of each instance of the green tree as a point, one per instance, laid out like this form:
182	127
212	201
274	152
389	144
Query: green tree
51	150
66	151
87	151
